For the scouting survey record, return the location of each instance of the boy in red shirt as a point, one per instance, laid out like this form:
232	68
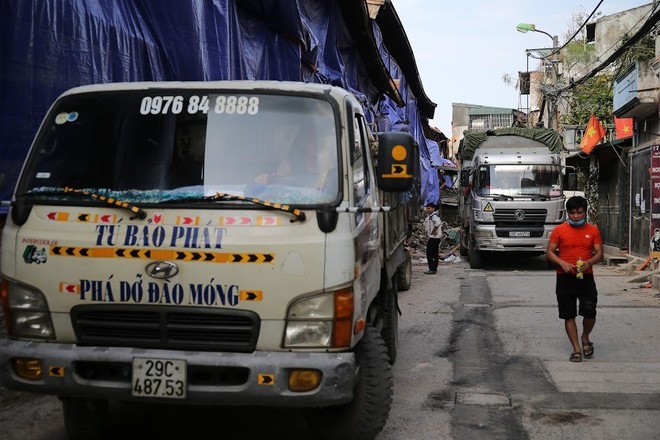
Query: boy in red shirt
574	247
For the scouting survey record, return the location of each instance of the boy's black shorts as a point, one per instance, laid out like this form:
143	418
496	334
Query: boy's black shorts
570	289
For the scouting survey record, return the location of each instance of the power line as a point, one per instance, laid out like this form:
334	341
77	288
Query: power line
615	43
579	29
643	30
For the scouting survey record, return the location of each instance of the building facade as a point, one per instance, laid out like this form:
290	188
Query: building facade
618	174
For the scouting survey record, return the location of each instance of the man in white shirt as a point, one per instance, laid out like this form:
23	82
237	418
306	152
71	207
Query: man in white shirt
433	229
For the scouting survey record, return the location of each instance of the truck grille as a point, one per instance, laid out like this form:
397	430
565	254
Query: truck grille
509	216
177	328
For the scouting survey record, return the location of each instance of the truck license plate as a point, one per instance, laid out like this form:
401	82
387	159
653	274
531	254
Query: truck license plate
519	234
159	378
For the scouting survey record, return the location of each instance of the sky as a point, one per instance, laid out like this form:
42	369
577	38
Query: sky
463	49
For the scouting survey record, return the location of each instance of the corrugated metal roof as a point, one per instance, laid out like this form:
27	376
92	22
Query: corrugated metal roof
490	111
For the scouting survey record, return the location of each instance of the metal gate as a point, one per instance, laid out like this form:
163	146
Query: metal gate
640	202
612	198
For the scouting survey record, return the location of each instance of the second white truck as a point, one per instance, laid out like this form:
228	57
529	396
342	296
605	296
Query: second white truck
511	194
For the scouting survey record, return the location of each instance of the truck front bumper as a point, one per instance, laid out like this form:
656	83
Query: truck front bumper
259	378
486	239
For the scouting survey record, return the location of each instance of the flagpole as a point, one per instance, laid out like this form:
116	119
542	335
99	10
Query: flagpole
617	153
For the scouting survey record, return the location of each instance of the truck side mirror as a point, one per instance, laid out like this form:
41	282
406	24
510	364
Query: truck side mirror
572	181
465	177
397	154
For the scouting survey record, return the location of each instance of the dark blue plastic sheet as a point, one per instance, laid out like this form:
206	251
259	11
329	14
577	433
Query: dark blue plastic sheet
49	46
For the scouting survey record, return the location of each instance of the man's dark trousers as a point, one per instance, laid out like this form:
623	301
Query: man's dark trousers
432	249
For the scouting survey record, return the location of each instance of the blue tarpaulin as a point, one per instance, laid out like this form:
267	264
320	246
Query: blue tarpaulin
49	46
431	157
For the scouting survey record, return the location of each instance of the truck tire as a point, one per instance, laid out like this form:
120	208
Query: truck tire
404	273
85	418
390	313
365	416
463	248
474	255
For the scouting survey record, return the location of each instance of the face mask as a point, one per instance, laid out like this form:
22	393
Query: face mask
577	223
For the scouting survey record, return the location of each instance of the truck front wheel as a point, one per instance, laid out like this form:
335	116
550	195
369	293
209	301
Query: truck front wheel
463	247
474	255
404	273
365	416
390	313
85	418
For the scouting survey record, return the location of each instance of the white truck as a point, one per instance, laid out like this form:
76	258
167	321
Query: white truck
511	197
183	264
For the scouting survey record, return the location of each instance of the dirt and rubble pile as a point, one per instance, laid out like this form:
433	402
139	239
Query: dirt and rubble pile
416	242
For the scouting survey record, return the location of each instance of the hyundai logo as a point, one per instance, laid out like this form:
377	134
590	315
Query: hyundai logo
161	270
519	214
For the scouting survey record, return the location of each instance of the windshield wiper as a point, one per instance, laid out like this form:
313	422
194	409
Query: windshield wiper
297	213
535	196
139	212
500	196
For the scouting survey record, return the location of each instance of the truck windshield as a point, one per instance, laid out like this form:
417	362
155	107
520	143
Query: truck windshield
156	145
519	180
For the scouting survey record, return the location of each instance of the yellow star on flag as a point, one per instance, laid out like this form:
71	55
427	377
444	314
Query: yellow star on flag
624	127
592	135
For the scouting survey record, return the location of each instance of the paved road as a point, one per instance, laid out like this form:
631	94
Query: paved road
500	368
482	355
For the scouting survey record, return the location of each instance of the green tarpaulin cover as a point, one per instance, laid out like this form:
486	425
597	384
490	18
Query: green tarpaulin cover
472	139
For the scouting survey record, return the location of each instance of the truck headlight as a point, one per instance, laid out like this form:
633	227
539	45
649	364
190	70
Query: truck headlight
26	312
308	334
320	321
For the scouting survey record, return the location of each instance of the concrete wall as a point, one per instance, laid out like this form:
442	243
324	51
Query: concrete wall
611	28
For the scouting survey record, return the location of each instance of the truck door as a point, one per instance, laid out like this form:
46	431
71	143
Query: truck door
364	195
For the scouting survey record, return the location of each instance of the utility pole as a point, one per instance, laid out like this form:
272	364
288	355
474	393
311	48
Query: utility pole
551	96
549	90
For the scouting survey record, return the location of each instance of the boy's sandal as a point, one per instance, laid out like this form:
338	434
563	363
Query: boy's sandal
588	349
576	357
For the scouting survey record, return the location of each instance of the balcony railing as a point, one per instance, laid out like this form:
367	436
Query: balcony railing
573	136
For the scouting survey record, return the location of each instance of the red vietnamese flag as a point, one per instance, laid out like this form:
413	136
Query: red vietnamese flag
624	127
592	135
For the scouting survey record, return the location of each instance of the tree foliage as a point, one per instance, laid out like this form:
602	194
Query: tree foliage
594	96
643	50
577	51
